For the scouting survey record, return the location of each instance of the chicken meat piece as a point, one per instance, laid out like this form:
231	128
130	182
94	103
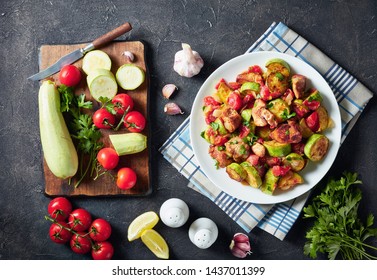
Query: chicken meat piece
262	116
231	119
287	133
220	156
237	149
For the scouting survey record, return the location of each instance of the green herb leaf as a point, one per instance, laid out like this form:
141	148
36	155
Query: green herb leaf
338	230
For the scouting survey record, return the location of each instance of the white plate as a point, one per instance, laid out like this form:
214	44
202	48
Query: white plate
312	173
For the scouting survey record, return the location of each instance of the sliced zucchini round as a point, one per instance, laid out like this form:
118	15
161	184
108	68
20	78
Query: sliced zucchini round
236	172
253	178
276	149
295	161
278	65
130	76
101	83
96	59
316	147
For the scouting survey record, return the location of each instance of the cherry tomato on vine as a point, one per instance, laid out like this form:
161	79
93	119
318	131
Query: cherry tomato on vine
100	230
59	234
134	121
102	251
80	243
103	118
108	158
79	220
122	102
59	208
70	75
126	178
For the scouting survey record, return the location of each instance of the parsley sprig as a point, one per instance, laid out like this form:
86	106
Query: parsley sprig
337	228
82	130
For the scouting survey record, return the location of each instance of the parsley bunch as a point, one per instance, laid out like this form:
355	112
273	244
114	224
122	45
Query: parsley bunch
337	228
82	130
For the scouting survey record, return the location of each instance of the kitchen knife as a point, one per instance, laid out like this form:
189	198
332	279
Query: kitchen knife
77	54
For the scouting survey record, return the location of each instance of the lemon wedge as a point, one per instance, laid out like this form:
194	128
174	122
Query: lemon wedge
141	223
156	243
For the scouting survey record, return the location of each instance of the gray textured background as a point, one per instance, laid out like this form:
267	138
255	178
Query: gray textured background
219	31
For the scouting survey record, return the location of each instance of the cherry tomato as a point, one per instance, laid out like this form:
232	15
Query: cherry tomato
134	121
108	158
102	251
59	234
59	208
126	178
122	102
80	243
235	101
103	118
312	121
70	75
100	230
79	219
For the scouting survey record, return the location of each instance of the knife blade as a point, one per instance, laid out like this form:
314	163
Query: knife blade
79	53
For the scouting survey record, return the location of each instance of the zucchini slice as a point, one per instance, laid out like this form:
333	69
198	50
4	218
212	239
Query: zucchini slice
316	147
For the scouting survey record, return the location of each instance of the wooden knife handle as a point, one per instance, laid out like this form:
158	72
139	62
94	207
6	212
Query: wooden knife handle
115	33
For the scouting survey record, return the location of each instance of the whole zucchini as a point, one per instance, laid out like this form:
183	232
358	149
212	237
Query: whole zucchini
58	149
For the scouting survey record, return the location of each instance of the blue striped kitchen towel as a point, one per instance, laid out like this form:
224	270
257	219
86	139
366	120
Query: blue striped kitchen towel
276	219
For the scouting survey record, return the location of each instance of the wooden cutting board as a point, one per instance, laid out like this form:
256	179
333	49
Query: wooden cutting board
104	185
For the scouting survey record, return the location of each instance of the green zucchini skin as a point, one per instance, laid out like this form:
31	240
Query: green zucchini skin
57	145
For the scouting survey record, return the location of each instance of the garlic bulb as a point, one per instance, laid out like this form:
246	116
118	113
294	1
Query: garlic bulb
187	62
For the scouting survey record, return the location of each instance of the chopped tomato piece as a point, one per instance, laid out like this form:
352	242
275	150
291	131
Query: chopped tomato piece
234	85
244	131
312	105
279	170
248	101
272	161
209	100
221	81
312	121
255	69
235	101
220	140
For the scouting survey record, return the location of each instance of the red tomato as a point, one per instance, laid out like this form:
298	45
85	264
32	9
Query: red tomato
59	208
278	170
255	69
218	84
122	102
235	101
126	178
312	121
220	140
312	105
244	131
103	118
108	158
209	100
70	75
100	230
59	234
102	251
80	243
79	219
248	101
134	121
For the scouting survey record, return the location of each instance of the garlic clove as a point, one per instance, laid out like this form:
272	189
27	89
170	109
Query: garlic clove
187	63
172	109
129	55
237	252
240	245
240	237
244	246
168	90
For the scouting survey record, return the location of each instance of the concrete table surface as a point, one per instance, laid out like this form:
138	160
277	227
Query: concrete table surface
219	30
